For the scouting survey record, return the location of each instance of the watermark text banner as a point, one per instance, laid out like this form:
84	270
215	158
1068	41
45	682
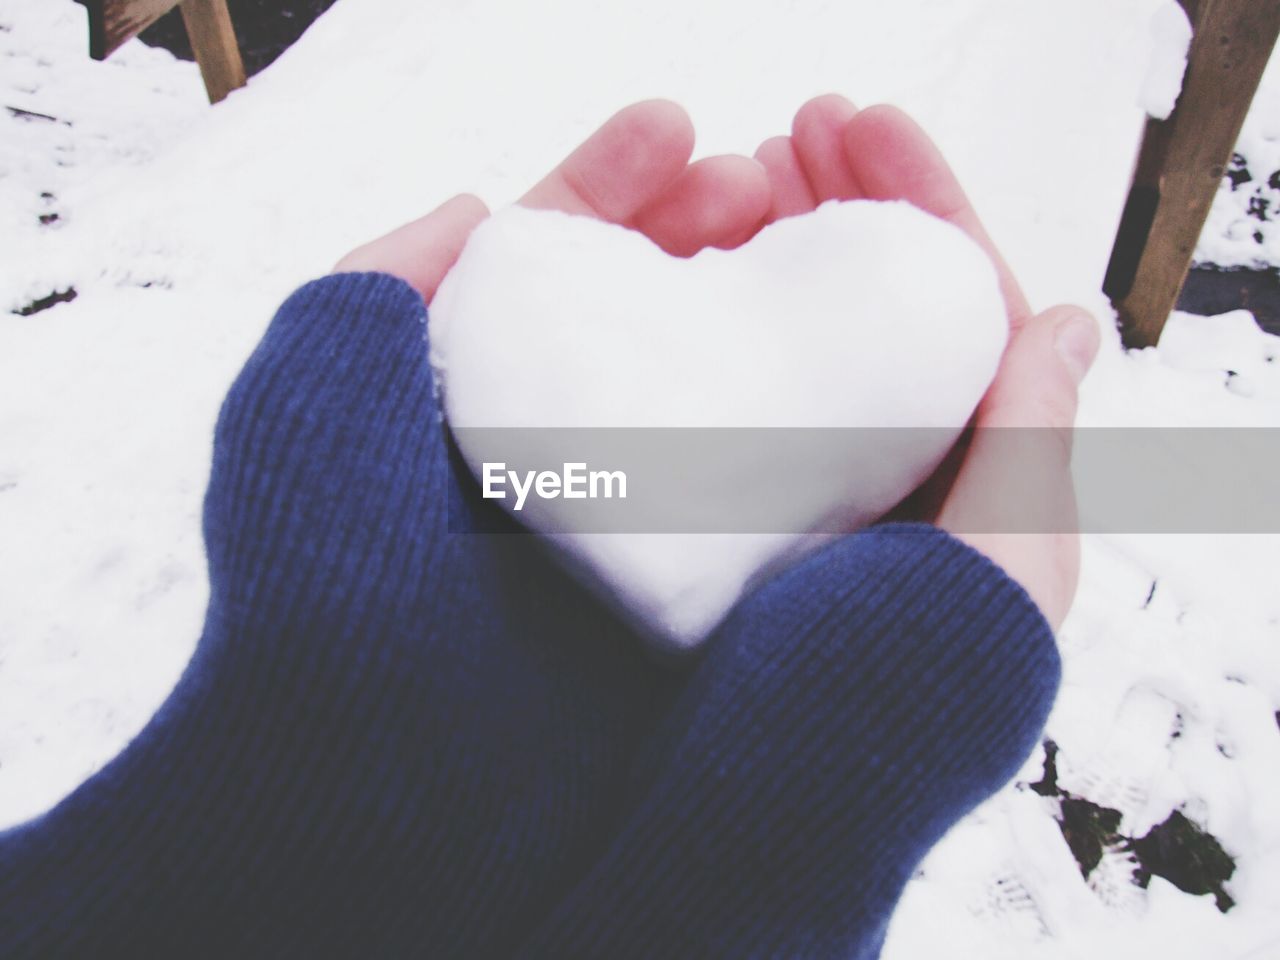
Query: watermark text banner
831	480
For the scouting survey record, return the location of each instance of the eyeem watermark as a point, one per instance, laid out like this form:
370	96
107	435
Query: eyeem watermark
575	482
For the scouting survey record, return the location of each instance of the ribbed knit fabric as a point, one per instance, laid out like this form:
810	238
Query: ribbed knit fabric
391	741
846	716
398	740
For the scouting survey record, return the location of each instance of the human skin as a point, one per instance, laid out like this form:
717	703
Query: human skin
635	171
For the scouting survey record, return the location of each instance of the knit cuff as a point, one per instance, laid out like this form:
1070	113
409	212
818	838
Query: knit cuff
844	716
915	654
940	656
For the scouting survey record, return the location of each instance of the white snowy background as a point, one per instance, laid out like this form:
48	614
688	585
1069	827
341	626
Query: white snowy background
181	227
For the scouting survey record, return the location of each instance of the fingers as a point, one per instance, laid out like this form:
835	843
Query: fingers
792	194
633	171
422	251
1013	498
892	158
622	167
817	134
719	201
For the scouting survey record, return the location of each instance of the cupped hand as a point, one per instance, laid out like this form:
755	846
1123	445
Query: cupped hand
1006	488
635	171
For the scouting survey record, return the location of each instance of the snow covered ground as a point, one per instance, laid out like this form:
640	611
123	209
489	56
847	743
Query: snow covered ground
180	227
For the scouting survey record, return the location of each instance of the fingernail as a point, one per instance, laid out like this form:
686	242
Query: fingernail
1076	341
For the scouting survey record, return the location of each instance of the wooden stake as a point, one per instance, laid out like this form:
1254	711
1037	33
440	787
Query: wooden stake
113	23
1182	161
213	40
208	22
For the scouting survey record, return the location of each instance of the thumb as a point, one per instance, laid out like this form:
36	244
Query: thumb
422	251
1036	384
1013	497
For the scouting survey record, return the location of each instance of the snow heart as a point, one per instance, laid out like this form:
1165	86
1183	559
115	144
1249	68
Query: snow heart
865	315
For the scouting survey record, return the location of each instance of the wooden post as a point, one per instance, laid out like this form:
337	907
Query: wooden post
213	41
208	22
112	23
1182	161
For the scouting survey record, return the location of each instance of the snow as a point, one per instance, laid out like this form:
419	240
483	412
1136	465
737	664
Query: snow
557	321
181	227
1170	41
1208	346
1243	228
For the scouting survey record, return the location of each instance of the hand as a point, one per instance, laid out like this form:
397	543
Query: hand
633	171
837	152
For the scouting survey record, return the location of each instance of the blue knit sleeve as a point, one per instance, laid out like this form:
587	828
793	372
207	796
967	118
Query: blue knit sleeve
397	741
390	741
846	715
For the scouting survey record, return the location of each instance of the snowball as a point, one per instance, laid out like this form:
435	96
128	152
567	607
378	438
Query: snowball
860	314
1170	40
